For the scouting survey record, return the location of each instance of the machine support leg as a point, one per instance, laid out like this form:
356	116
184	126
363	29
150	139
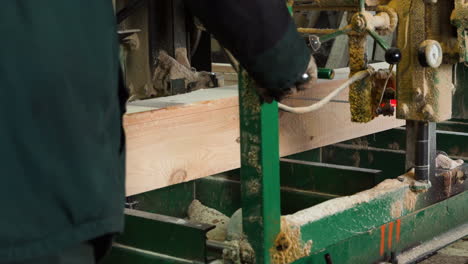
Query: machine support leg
421	150
260	184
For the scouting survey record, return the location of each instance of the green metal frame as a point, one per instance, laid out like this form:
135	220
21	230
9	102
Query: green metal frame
269	186
260	180
384	238
148	233
327	233
354	235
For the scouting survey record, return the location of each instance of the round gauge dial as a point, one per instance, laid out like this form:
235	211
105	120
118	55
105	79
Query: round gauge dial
430	54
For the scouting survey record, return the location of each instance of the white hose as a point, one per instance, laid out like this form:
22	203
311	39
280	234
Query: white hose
307	109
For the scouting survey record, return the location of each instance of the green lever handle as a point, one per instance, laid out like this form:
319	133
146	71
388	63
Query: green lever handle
392	55
335	34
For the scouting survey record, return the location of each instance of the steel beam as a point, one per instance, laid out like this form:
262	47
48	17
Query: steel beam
164	236
314	176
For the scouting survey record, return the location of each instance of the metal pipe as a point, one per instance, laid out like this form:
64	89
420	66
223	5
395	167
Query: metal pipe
421	159
337	33
382	43
328	34
421	148
380	20
362	5
317	30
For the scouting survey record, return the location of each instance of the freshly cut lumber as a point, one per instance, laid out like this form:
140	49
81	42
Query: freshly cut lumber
185	137
222	68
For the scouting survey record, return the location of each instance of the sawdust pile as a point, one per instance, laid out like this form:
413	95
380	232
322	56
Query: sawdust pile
288	244
343	203
410	200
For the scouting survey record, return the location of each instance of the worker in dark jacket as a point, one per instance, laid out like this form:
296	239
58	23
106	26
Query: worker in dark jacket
62	149
263	37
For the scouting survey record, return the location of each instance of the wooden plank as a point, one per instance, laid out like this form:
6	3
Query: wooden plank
227	71
190	137
222	68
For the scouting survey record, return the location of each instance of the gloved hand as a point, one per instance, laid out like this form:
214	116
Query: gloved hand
270	95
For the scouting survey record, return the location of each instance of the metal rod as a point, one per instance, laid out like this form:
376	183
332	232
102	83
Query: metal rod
317	30
382	43
362	5
421	160
218	247
420	152
335	34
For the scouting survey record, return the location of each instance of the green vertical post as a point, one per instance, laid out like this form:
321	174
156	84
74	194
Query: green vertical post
260	183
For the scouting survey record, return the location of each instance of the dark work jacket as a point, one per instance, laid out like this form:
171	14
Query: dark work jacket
61	139
261	35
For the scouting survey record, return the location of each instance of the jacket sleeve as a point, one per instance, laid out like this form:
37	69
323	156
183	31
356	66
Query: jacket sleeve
262	36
